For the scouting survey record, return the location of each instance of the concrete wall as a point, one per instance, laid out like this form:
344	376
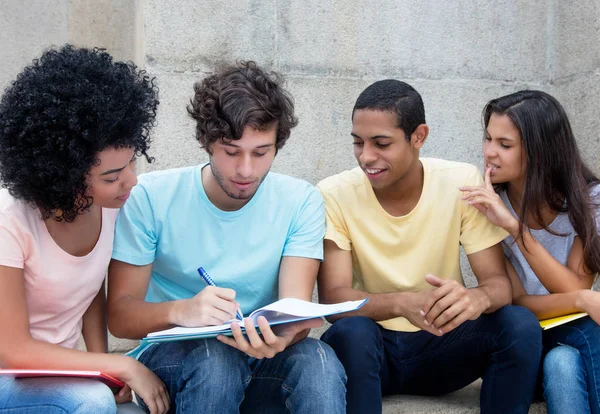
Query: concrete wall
575	74
29	26
458	54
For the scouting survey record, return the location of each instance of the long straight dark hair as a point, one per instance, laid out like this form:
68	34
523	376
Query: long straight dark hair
556	175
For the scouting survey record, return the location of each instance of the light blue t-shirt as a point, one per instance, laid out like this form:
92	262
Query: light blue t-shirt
170	222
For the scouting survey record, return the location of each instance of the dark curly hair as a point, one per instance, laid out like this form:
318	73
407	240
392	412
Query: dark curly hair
59	113
238	96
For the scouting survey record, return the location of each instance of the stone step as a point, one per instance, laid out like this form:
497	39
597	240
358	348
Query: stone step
462	401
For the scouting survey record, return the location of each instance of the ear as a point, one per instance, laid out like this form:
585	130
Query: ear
419	136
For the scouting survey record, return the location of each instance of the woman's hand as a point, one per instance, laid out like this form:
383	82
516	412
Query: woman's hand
490	204
588	301
124	395
148	387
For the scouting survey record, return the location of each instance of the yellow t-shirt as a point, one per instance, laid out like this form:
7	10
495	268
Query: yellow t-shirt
391	254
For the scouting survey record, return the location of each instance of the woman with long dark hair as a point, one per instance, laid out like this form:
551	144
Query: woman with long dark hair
539	190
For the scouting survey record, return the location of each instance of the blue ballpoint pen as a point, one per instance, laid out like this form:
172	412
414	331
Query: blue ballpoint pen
208	280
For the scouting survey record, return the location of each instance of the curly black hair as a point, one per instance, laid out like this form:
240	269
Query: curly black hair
238	96
56	117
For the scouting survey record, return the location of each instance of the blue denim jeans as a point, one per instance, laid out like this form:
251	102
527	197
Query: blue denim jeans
503	347
571	368
55	396
207	376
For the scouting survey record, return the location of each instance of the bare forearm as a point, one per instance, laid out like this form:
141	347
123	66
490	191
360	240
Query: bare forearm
33	354
494	293
554	275
552	305
380	306
132	318
94	324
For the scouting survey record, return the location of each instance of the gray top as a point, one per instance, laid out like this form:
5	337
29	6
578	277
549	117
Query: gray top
558	246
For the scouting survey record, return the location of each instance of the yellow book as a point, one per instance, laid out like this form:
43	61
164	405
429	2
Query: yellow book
559	320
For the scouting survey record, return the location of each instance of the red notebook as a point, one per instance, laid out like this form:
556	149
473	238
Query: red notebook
115	384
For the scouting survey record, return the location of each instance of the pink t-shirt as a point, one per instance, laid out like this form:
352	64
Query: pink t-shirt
58	287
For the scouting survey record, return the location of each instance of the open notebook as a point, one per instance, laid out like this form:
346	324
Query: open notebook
283	311
559	320
113	383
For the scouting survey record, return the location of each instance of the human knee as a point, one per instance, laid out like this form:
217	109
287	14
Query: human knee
318	360
316	370
351	331
519	336
519	324
584	334
562	363
213	364
94	397
519	318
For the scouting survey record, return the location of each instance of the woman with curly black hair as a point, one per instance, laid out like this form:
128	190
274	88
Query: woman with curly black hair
71	125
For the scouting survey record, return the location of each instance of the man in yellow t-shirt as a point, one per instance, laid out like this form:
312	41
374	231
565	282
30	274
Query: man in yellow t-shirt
394	228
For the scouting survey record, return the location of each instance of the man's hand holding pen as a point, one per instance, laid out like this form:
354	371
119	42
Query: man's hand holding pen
211	306
268	343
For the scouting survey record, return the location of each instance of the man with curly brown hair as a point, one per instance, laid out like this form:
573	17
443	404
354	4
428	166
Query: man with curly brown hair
257	233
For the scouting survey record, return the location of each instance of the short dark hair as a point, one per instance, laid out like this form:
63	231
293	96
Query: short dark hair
396	97
239	96
56	117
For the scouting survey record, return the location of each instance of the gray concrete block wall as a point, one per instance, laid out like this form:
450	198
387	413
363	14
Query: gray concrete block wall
576	29
427	39
575	75
191	35
29	26
580	95
25	28
116	25
457	54
174	144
